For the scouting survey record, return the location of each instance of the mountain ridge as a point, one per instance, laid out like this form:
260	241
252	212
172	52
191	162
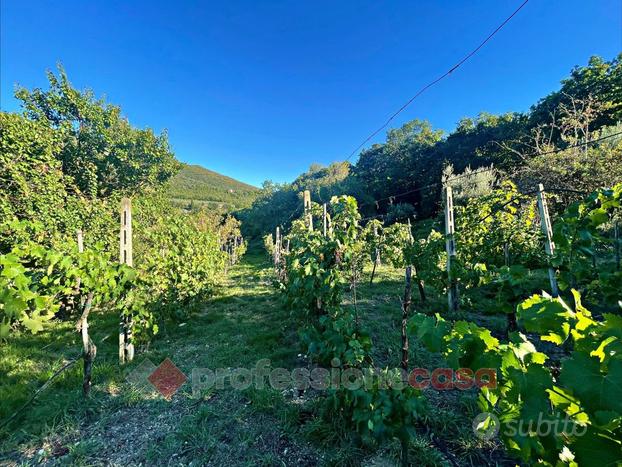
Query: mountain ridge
194	184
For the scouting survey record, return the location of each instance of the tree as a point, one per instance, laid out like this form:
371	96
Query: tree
33	186
579	169
600	78
100	150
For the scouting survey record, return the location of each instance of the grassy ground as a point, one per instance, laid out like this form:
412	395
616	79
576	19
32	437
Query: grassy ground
122	425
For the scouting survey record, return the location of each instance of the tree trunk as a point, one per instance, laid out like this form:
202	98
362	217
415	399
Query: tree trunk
88	348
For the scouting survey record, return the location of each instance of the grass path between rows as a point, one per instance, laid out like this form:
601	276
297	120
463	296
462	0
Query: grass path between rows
121	425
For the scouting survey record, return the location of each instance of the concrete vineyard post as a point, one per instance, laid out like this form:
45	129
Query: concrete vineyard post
76	293
307	206
125	240
126	346
404	363
277	249
405	308
616	235
89	350
450	246
80	241
547	230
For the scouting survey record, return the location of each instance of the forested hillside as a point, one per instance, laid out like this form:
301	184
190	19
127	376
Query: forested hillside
401	176
194	185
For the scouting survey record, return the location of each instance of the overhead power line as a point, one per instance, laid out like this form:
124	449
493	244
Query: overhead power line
487	169
435	81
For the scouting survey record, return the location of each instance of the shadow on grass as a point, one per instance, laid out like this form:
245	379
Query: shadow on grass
244	324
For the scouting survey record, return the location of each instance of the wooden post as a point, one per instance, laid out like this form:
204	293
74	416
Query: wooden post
616	235
404	362
376	257
125	250
307	206
324	218
405	307
277	248
450	246
547	230
378	261
72	298
89	350
80	241
506	253
126	347
420	284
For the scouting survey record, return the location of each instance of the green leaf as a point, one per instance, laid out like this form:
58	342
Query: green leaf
33	325
547	316
429	331
596	388
595	449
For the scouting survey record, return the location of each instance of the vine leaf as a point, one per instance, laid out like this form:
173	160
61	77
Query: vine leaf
597	390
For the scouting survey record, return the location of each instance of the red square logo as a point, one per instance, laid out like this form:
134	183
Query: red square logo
167	378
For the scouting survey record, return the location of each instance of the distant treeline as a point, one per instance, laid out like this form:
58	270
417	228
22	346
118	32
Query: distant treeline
587	106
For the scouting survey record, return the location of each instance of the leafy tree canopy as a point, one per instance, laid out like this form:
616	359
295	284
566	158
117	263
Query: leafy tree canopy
100	149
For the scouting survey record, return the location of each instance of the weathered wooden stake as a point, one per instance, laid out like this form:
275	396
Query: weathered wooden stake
76	293
378	260
404	363
324	218
89	350
80	241
547	230
420	284
405	308
277	249
307	206
126	346
421	287
616	235
373	273
450	246
125	243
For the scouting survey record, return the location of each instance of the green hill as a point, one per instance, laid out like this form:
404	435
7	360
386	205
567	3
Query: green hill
197	185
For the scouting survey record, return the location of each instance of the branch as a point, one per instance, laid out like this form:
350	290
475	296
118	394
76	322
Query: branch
40	390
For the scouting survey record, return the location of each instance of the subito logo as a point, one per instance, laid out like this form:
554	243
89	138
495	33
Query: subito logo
486	425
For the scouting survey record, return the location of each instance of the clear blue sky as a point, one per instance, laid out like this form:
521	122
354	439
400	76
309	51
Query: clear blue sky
261	89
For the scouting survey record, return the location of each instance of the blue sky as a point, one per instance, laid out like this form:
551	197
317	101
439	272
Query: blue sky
261	89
